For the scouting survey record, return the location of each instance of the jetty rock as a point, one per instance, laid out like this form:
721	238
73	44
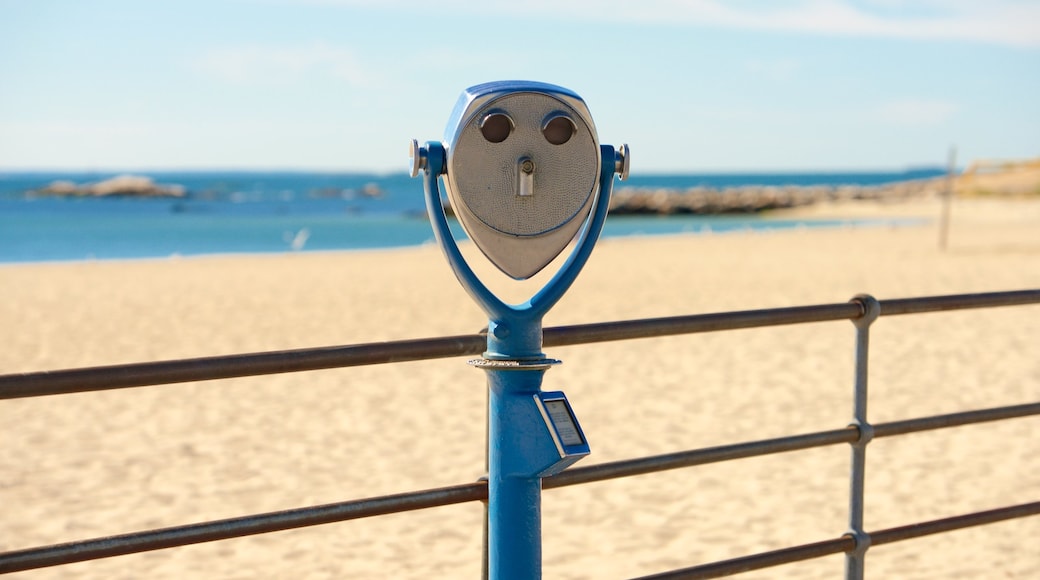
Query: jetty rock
757	198
122	185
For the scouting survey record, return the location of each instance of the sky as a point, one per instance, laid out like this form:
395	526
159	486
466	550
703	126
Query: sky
691	86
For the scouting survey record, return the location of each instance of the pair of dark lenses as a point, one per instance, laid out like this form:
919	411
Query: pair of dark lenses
496	127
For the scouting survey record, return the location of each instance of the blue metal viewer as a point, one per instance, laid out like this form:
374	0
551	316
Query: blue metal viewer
525	175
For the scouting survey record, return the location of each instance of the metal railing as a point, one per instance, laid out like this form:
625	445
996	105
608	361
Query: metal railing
862	311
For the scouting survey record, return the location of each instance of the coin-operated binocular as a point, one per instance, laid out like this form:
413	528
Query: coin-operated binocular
522	171
525	175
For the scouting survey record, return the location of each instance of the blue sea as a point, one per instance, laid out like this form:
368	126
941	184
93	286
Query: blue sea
271	212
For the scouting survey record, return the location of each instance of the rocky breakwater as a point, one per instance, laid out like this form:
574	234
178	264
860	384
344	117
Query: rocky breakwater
755	198
122	185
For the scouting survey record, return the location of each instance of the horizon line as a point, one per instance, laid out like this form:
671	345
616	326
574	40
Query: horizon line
382	172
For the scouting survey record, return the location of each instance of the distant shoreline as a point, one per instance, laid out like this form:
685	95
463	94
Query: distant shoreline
647	194
980	179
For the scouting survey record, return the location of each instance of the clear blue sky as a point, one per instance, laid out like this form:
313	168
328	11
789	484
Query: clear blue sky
343	85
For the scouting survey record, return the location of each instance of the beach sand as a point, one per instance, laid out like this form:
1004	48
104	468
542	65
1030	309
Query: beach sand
94	464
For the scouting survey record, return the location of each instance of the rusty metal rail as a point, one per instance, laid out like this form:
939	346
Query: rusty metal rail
845	544
167	372
351	510
309	359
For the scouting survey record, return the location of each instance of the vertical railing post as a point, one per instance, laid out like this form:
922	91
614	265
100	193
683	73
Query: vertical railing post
854	560
947	198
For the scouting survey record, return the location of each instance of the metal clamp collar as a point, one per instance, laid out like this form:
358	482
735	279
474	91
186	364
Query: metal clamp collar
513	364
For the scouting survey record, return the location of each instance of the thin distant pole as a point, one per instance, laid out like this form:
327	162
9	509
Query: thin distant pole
947	197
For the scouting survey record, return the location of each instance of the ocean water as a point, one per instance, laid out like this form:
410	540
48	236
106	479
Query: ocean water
271	212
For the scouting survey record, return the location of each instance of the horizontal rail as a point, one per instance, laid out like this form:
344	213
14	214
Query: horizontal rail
80	551
759	561
845	544
66	381
906	426
652	464
644	465
237	365
958	302
921	529
67	553
696	323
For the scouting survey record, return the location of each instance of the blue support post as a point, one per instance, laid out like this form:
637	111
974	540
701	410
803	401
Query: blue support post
514	494
521	450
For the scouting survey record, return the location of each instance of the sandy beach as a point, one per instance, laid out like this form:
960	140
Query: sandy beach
94	464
